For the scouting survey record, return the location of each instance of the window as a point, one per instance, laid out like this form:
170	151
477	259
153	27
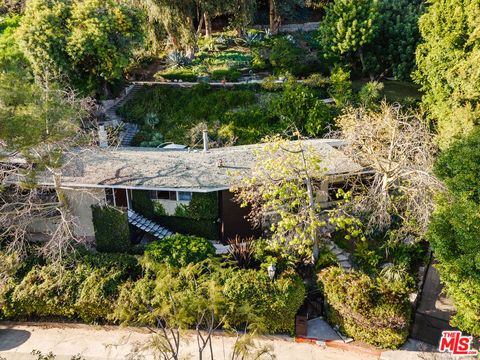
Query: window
184	196
109	196
163	195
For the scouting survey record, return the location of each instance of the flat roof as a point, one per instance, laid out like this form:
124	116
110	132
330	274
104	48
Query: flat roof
180	170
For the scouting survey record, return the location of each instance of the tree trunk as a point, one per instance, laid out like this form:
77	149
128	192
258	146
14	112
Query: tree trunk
62	199
200	25
311	199
274	19
208	25
362	61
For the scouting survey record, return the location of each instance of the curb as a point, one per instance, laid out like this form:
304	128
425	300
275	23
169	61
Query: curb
336	344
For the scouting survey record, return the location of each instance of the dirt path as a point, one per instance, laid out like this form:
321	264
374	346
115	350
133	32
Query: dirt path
109	342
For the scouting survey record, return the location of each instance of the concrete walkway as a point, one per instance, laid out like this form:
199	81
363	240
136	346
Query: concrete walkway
109	342
434	310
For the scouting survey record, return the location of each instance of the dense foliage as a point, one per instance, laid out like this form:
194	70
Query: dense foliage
96	287
376	311
241	297
447	63
111	227
380	35
232	116
179	250
347	27
393	48
11	57
87	43
455	230
85	287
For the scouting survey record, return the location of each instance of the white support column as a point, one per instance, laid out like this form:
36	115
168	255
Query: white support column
128	198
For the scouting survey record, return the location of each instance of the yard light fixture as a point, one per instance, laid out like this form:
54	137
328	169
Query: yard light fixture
271	271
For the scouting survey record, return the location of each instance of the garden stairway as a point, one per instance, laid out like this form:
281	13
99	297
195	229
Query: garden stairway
343	257
147	225
111	116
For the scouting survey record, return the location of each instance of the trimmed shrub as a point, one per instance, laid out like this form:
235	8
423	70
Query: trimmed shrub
203	206
228	74
85	288
179	250
48	290
142	203
128	265
273	303
208	229
376	311
112	232
182	74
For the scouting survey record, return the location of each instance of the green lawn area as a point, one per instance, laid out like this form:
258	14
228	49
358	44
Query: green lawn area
394	90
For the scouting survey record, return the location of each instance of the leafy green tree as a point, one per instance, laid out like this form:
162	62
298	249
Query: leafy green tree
347	27
398	36
285	181
340	86
11	57
299	105
102	36
43	37
455	229
87	43
447	62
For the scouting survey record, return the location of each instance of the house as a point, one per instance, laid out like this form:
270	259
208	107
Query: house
157	186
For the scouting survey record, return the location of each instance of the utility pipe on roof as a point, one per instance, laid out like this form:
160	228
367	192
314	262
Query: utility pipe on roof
205	140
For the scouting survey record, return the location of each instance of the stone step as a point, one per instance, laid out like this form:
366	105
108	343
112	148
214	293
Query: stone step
342	257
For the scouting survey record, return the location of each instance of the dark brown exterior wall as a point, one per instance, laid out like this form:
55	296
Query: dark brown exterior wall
233	219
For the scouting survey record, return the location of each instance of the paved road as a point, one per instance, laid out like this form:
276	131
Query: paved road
109	342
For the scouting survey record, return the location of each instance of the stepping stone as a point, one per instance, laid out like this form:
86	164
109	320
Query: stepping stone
342	257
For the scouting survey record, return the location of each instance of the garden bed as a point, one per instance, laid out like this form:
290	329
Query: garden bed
241	114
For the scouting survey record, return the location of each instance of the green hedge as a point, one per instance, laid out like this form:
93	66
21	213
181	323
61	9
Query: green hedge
247	296
112	232
177	74
208	229
179	250
142	203
198	218
203	206
275	302
85	288
96	287
372	310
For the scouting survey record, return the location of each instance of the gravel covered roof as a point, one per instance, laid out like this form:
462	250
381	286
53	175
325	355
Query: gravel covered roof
180	170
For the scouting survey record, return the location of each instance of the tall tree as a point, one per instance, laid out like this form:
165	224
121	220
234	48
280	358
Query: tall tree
87	43
448	69
279	9
454	231
38	125
397	146
392	51
286	182
347	27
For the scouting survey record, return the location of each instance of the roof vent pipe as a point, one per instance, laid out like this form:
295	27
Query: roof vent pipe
205	140
102	137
